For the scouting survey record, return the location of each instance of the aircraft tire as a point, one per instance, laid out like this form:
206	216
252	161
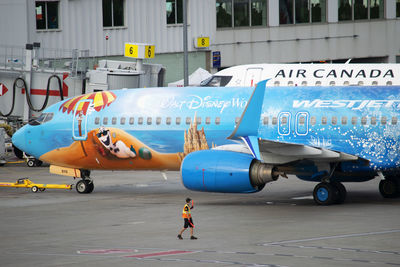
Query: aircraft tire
84	186
342	193
34	189
38	163
389	188
30	163
325	194
90	187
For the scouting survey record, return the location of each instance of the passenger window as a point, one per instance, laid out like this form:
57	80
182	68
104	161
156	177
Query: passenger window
237	119
394	120
373	120
149	120
283	120
334	120
158	120
346	83
114	120
198	120
383	120
363	120
208	120
344	120
265	120
97	120
140	120
217	120
388	83
168	120
290	83
302	120
374	83
188	120
332	83
274	120
318	83
313	120
105	120
122	121
304	83
276	83
360	83
178	120
354	120
324	120
131	120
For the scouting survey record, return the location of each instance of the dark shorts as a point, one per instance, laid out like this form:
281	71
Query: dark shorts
187	224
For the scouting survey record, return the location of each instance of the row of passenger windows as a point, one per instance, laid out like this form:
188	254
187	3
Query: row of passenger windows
334	120
157	120
331	83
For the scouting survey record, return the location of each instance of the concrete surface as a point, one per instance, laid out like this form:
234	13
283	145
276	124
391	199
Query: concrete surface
132	219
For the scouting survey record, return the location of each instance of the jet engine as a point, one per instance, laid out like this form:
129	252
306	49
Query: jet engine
225	172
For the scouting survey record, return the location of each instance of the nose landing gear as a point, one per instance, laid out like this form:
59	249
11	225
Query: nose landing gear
85	186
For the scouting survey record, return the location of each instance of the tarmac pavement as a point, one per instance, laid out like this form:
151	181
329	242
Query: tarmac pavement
133	218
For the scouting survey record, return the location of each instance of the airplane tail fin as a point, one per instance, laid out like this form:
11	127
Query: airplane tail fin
250	119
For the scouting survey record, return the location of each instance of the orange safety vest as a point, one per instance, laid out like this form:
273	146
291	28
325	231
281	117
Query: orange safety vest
186	213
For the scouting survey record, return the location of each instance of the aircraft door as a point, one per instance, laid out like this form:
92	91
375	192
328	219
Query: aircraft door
82	111
284	123
253	76
302	123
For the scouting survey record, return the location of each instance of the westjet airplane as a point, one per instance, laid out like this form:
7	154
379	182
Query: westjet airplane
232	140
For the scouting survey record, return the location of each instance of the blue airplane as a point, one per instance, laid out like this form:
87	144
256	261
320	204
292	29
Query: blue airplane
233	140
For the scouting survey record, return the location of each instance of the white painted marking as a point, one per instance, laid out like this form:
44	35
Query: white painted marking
305	197
332	237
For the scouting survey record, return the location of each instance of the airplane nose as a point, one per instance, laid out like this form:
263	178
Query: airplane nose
18	139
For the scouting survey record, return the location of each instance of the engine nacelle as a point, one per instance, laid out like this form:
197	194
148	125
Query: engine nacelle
225	172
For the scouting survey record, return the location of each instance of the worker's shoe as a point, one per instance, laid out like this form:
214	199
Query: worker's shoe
193	237
180	237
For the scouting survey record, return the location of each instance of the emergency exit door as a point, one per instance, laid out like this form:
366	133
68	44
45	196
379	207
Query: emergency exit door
253	76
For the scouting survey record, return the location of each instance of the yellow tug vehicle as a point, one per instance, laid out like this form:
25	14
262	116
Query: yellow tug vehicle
26	183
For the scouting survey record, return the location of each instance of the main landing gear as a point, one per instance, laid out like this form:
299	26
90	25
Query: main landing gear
327	193
85	186
389	187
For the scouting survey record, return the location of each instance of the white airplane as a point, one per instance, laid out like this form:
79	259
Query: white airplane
307	75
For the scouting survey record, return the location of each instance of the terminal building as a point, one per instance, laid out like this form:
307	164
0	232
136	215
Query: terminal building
239	31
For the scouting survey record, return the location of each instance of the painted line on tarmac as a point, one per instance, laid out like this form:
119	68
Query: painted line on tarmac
330	237
341	249
161	253
106	251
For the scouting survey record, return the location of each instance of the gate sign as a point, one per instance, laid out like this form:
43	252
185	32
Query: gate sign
202	42
3	89
141	51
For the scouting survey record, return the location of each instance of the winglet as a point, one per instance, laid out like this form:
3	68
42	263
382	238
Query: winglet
250	119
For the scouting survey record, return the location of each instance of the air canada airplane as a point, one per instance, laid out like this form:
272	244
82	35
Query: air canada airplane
231	140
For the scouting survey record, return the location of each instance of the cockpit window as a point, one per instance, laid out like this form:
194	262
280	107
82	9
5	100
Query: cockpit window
43	118
216	81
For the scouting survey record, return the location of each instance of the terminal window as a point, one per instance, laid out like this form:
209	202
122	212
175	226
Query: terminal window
46	15
302	11
360	9
113	13
241	13
174	10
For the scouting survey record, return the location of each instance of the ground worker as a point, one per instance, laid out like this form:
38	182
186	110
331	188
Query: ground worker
188	221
